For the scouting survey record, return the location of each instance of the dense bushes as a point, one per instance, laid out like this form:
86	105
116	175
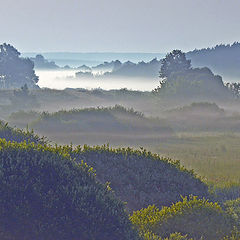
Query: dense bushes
235	235
109	120
173	236
195	217
46	195
11	134
140	178
233	208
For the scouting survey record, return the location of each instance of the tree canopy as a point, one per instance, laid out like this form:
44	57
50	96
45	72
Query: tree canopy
179	79
174	61
14	70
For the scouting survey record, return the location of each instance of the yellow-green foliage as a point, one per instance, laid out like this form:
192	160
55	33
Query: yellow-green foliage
193	216
235	235
173	236
47	195
18	135
139	177
233	208
132	172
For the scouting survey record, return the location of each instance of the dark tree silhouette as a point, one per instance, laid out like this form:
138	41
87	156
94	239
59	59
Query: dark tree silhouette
179	79
14	70
174	61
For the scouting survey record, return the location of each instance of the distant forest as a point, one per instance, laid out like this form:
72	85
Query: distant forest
223	59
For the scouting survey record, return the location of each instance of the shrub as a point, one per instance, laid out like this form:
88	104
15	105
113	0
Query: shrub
195	217
235	235
141	178
46	195
18	135
233	208
114	120
223	194
173	236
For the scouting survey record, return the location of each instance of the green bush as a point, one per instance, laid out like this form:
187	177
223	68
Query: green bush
112	120
140	178
173	236
192	216
235	235
18	135
46	195
233	208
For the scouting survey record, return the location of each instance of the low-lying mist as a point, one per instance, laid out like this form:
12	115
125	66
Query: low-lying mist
61	79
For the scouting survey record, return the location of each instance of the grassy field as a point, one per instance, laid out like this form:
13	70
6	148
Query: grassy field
215	157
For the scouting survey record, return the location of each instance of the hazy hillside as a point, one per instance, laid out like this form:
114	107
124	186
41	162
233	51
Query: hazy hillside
131	173
137	177
47	195
205	117
95	125
140	178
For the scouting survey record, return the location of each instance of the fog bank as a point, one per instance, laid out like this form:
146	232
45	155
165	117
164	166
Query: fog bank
61	79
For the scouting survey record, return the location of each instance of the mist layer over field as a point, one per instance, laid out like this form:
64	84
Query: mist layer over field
61	79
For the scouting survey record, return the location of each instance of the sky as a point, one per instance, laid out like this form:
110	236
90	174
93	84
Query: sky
118	25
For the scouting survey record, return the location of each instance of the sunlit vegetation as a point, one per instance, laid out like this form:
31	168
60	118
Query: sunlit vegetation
118	189
47	195
233	208
198	218
155	180
141	178
18	135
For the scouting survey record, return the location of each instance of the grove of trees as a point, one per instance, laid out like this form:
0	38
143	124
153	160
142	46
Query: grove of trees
179	79
15	71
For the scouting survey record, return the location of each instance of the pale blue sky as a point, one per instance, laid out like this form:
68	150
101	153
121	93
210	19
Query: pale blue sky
118	26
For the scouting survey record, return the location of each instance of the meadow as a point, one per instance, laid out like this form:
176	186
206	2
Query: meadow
213	156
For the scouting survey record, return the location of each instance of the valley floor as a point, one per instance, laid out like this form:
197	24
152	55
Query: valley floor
215	157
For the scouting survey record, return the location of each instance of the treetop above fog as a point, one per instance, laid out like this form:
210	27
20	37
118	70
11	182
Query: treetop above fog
181	80
15	71
174	61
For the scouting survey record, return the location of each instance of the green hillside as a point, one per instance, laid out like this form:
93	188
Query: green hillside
46	195
141	178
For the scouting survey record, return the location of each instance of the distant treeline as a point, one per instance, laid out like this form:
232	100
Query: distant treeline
222	59
118	69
